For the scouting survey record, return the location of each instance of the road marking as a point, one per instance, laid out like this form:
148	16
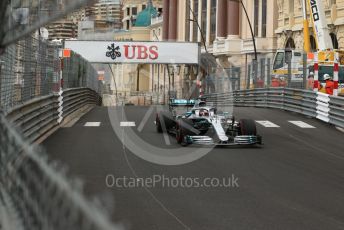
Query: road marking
267	124
145	118
128	124
302	124
92	124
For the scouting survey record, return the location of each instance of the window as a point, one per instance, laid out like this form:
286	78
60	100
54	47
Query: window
256	17
187	22
291	7
290	44
334	40
128	25
313	43
143	6
213	21
128	11
195	17
264	8
279	60
204	19
134	11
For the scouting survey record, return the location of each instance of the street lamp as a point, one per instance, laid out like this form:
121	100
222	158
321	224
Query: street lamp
251	29
253	39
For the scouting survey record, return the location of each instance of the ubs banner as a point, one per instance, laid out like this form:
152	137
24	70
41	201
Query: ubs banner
136	52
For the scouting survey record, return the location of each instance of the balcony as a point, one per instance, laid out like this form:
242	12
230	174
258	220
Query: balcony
227	46
156	20
263	45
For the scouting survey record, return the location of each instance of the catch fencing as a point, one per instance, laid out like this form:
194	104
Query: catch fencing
35	192
31	67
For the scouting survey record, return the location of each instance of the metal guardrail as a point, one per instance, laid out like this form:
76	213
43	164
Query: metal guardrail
40	115
36	117
318	105
336	111
74	99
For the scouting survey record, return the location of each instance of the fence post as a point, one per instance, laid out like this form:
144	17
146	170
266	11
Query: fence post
248	76
289	72
304	70
268	70
255	72
335	74
262	69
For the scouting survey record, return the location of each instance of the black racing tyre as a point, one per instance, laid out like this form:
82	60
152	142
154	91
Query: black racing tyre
184	128
162	119
158	124
247	127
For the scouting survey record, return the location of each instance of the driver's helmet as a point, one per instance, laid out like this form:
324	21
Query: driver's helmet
203	113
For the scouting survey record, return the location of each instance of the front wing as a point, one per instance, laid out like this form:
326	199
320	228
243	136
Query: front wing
238	140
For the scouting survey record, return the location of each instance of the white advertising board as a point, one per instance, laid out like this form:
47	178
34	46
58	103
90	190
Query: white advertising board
136	52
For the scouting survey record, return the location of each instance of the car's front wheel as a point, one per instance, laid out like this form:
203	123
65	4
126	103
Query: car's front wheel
184	127
247	127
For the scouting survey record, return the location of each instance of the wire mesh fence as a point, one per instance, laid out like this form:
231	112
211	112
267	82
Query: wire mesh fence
31	68
20	18
36	194
78	72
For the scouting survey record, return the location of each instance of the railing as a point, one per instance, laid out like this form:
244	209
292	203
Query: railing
312	104
41	115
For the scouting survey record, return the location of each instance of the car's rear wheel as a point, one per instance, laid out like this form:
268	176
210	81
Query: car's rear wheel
247	127
162	119
158	124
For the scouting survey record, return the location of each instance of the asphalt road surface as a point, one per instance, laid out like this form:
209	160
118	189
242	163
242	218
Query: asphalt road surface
294	181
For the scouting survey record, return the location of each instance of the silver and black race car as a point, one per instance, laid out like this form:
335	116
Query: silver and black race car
203	125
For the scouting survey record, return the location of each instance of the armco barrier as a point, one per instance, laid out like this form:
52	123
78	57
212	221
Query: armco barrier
318	105
336	111
41	115
36	117
74	99
294	100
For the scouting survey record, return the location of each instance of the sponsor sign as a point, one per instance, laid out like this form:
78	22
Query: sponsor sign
136	52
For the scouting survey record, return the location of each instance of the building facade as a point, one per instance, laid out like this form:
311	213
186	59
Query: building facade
223	27
131	8
101	15
63	29
290	27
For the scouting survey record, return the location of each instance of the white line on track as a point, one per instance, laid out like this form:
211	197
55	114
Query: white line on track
128	124
267	124
302	124
92	124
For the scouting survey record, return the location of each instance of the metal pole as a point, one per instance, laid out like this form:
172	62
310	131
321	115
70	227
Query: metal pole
248	76
254	61
289	72
251	29
194	20
268	66
307	46
304	70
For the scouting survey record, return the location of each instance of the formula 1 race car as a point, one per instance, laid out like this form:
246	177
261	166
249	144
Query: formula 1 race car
203	125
